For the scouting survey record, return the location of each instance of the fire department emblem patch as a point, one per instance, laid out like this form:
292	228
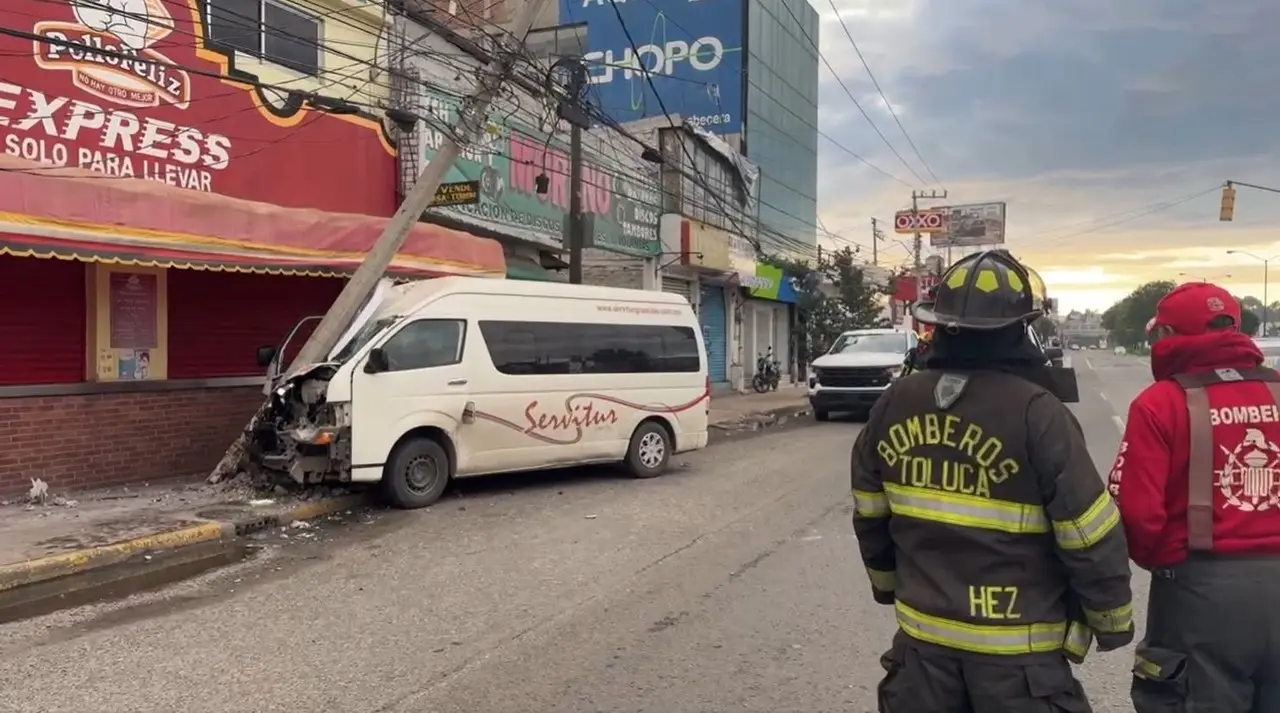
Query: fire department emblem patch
1250	479
1214	304
949	389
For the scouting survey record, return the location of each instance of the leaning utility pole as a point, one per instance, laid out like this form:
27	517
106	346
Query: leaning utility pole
472	117
917	245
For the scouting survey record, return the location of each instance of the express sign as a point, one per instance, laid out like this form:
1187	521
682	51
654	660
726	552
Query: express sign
905	221
131	89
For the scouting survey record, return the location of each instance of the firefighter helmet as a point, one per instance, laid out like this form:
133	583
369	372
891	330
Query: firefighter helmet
984	291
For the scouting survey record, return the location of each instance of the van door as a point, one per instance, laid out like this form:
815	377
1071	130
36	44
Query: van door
425	384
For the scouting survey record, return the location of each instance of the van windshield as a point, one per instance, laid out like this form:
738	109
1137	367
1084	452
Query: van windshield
362	337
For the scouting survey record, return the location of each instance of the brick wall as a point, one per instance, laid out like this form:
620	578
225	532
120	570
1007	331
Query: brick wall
101	440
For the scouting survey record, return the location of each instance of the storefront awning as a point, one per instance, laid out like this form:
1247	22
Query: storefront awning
70	213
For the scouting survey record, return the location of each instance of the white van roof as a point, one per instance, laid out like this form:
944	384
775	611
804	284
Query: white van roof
407	297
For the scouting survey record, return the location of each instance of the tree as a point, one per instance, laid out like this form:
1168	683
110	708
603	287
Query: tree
1126	320
832	297
1249	322
1045	328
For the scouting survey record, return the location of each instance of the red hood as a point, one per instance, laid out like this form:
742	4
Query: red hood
1180	354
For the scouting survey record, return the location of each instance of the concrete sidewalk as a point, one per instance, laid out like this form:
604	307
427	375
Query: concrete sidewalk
96	530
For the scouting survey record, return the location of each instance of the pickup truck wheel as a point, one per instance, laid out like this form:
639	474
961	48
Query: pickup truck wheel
650	450
417	474
821	415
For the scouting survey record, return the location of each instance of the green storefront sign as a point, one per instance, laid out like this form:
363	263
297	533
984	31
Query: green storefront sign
771	284
623	202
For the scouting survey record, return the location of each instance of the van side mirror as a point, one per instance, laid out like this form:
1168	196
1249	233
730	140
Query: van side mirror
1053	353
377	361
266	354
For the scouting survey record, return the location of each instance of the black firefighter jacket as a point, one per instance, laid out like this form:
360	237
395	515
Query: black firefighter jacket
981	518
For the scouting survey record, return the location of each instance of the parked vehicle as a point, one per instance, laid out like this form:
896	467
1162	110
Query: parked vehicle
768	372
460	376
857	369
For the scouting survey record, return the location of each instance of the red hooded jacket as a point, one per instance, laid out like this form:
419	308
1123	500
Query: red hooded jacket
1149	479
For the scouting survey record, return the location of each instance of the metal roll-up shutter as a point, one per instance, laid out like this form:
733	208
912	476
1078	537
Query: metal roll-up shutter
676	286
217	320
711	315
42	324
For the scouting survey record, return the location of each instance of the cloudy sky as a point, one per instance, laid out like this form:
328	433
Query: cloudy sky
1095	121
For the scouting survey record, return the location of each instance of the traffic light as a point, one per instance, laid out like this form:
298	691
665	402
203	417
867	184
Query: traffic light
1228	210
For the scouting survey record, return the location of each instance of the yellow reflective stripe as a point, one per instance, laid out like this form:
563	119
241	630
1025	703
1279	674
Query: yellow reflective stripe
1078	641
965	510
980	638
882	580
1147	669
1111	621
1094	524
870	504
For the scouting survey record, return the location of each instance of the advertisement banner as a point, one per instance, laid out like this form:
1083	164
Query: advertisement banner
623	202
970	225
773	284
133	90
692	50
921	221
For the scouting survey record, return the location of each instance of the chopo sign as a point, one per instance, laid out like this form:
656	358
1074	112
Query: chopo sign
918	221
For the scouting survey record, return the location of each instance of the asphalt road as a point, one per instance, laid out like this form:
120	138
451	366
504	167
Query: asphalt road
730	584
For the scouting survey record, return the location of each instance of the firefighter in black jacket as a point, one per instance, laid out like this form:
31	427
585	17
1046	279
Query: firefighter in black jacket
980	516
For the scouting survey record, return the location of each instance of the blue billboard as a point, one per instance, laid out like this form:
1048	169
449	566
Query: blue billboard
692	49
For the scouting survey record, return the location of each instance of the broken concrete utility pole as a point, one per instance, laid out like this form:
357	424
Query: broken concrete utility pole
472	118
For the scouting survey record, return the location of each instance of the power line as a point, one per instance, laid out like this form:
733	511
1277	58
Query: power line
848	92
885	99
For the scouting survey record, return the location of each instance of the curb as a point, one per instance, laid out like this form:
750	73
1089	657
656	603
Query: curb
44	569
762	420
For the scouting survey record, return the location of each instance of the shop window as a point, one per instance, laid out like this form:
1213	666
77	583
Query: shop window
42	321
267	29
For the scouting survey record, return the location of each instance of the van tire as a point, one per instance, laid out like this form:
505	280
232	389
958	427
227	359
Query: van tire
822	415
649	451
405	487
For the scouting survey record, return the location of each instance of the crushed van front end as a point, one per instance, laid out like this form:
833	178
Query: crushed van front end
302	436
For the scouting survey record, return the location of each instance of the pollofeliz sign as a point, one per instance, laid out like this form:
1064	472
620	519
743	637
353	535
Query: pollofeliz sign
141	92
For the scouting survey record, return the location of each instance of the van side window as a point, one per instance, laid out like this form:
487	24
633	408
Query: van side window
539	348
426	343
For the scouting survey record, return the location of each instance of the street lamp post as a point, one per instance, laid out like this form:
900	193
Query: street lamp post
1266	262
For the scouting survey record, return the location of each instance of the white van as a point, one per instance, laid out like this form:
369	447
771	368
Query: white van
463	376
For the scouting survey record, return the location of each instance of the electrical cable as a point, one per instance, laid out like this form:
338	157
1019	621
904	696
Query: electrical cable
883	98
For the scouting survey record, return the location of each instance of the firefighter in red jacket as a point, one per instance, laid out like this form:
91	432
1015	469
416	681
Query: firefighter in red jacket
1197	482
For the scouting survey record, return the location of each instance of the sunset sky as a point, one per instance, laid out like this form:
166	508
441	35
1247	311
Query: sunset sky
1107	127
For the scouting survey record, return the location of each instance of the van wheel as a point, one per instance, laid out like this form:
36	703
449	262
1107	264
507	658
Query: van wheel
649	452
416	475
822	415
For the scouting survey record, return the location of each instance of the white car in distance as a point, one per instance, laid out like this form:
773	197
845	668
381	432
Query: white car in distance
857	369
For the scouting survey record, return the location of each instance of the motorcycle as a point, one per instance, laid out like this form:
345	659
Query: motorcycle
768	373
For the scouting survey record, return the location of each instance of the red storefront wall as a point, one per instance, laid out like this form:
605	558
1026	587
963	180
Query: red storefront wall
119	433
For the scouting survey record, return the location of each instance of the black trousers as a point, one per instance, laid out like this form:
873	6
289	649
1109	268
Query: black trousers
1212	642
920	678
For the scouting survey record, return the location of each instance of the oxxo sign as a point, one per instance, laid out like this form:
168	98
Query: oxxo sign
703	54
905	221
